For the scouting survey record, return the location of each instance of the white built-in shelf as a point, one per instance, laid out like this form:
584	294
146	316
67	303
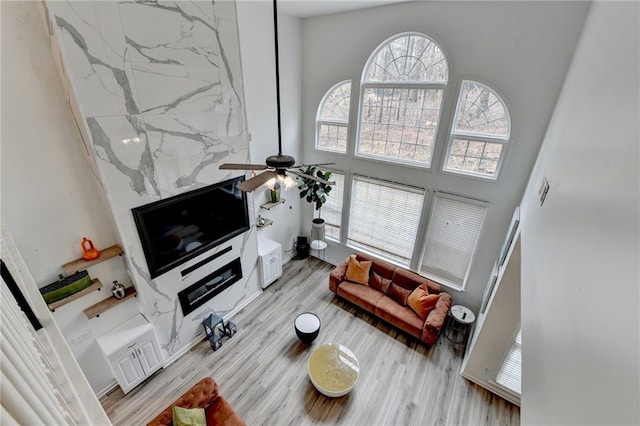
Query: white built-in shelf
269	206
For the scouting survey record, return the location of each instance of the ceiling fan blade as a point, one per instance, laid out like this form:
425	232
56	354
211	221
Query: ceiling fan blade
256	182
242	166
317	179
314	165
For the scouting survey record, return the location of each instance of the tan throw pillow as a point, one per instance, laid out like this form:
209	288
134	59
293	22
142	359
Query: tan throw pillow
399	294
376	282
421	301
358	272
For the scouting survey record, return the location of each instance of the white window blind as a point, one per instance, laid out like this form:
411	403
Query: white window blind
384	218
332	209
510	374
451	239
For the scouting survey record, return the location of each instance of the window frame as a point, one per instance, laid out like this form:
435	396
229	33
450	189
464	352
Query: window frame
476	137
320	122
403	85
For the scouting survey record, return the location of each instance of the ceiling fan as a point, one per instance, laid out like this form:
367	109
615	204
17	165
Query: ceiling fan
276	166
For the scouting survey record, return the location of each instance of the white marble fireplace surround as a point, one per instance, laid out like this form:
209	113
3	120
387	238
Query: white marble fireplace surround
159	90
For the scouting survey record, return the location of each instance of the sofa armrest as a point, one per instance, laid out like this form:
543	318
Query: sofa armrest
337	276
436	318
200	395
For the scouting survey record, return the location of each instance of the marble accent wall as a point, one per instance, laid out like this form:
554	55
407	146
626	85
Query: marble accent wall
159	89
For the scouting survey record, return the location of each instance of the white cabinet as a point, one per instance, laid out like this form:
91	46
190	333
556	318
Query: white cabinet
132	351
270	258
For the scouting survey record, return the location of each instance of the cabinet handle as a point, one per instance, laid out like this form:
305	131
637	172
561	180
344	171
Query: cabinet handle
138	351
134	354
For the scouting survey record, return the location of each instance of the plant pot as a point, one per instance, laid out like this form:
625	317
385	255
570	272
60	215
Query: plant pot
317	229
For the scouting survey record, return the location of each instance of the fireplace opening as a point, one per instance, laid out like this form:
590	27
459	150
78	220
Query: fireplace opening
208	287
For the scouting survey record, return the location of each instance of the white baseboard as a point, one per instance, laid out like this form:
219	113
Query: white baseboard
107	389
492	388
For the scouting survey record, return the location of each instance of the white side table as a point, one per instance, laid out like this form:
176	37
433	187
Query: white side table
320	247
459	322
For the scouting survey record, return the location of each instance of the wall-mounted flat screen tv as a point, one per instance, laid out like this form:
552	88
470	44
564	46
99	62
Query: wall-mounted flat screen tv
180	228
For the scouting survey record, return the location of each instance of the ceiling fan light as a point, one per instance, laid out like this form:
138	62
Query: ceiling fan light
287	182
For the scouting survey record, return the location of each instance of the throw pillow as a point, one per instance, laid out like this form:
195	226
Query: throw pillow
421	301
358	272
376	282
399	294
188	416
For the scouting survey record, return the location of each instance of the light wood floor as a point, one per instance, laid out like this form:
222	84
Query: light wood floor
262	370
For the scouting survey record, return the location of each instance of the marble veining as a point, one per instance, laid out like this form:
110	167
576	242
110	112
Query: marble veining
159	87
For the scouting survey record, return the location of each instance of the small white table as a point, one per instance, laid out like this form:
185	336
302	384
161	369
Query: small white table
459	321
320	247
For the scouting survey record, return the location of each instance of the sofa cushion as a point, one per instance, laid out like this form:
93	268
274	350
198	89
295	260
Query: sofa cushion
379	266
376	282
421	301
358	271
188	416
362	295
411	280
398	294
400	316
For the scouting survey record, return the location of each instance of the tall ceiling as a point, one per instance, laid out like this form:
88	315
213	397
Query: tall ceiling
311	8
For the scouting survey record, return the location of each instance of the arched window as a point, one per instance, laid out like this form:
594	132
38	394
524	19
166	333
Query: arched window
480	132
401	98
332	120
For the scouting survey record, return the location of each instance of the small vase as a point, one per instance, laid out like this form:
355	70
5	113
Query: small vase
275	193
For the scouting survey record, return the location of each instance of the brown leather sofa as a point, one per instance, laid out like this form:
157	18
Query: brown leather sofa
204	394
384	304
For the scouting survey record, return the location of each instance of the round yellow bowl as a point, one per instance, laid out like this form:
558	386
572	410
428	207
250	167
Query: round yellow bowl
333	369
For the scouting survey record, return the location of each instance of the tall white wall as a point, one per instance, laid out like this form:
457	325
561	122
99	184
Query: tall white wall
521	49
580	250
255	21
50	196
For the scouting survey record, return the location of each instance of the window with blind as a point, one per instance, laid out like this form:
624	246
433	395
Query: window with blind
510	374
454	228
332	209
332	120
480	132
384	218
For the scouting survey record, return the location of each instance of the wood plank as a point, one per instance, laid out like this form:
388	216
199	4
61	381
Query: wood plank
108	303
270	205
95	285
262	369
81	264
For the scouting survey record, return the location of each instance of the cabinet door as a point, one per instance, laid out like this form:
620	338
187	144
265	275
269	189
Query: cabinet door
148	353
127	369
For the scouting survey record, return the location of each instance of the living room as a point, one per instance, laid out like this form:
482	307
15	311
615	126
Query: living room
68	202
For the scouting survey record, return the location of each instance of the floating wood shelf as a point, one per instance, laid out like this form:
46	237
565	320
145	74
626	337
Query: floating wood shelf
108	303
268	206
267	222
95	285
81	264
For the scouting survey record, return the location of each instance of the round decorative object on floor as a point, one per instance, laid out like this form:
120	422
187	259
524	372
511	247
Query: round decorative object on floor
333	370
307	327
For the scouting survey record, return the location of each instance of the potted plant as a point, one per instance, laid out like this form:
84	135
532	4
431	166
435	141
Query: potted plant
315	193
